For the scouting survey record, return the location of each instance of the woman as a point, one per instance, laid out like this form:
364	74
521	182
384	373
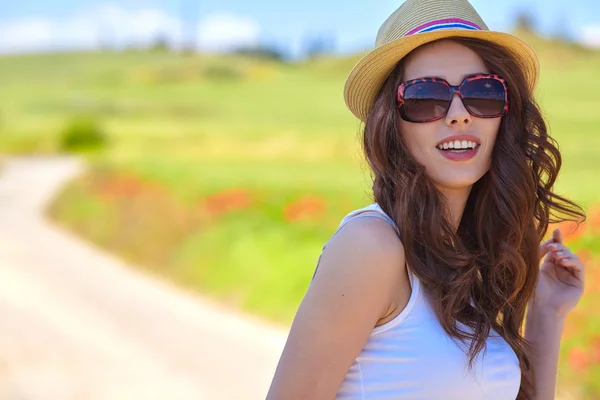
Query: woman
426	298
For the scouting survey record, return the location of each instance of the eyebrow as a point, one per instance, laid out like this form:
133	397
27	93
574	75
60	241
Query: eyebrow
462	79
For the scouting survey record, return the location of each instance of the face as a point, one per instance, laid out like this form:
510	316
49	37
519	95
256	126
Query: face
452	62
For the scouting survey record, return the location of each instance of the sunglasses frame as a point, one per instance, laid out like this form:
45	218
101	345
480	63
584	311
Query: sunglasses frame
453	89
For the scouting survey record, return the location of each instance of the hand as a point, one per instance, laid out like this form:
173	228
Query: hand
561	280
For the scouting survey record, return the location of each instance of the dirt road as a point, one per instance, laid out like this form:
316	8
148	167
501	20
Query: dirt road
78	323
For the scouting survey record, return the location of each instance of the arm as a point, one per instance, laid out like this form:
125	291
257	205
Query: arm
543	328
358	272
559	288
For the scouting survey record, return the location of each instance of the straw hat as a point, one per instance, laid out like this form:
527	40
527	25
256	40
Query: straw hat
413	24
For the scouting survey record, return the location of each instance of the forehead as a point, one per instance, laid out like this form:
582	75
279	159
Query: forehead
444	59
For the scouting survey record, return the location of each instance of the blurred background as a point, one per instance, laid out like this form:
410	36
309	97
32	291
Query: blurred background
207	146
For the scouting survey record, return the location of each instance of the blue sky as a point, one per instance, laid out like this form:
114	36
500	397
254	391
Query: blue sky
31	25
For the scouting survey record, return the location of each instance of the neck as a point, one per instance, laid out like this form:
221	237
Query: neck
457	200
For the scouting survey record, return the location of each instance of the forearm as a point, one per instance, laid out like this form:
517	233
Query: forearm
544	330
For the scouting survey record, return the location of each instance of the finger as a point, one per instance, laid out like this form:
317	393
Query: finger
557	236
560	255
555	247
551	245
545	247
575	265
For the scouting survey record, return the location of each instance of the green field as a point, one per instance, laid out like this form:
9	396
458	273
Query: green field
227	174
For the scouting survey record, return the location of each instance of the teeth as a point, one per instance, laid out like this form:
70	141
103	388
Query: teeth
457	144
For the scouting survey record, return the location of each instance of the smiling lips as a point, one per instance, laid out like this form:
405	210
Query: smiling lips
459	142
460	154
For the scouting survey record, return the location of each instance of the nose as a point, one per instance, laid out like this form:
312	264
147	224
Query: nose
457	114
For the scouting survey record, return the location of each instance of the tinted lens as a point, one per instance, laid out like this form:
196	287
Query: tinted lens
426	100
484	97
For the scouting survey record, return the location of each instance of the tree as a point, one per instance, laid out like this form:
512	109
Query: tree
318	44
160	43
263	51
525	22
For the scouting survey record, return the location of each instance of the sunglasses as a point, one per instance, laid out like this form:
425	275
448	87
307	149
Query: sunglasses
428	99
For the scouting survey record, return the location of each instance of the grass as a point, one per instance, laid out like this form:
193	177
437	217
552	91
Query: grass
228	174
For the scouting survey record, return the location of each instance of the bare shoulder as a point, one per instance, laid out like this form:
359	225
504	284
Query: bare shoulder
353	287
369	251
366	245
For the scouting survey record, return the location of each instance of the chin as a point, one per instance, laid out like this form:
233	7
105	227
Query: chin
457	182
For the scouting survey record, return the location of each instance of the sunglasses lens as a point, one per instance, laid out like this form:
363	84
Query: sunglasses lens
426	100
484	97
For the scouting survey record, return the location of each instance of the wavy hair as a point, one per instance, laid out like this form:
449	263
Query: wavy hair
483	274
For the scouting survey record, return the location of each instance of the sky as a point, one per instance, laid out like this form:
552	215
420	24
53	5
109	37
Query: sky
217	25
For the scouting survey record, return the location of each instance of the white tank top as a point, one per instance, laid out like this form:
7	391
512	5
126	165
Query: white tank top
412	357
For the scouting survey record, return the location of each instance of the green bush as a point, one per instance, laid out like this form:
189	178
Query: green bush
83	133
222	72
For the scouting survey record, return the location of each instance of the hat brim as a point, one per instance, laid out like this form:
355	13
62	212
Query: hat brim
369	73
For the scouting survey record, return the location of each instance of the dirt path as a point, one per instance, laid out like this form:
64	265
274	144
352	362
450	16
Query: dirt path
77	323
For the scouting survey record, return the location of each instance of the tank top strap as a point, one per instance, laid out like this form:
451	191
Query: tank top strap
373	210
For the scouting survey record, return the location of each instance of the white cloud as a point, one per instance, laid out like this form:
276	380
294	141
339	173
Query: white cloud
112	25
122	27
25	34
102	25
590	36
220	32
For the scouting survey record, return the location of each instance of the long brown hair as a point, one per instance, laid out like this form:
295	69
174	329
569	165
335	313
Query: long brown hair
492	259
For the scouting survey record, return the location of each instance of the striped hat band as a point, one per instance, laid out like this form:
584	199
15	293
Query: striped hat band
447	23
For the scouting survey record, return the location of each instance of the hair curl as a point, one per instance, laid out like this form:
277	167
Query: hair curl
483	274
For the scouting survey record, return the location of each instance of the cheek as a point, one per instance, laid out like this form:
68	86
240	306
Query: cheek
488	130
419	138
492	127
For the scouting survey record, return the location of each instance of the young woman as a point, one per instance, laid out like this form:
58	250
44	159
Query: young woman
424	293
